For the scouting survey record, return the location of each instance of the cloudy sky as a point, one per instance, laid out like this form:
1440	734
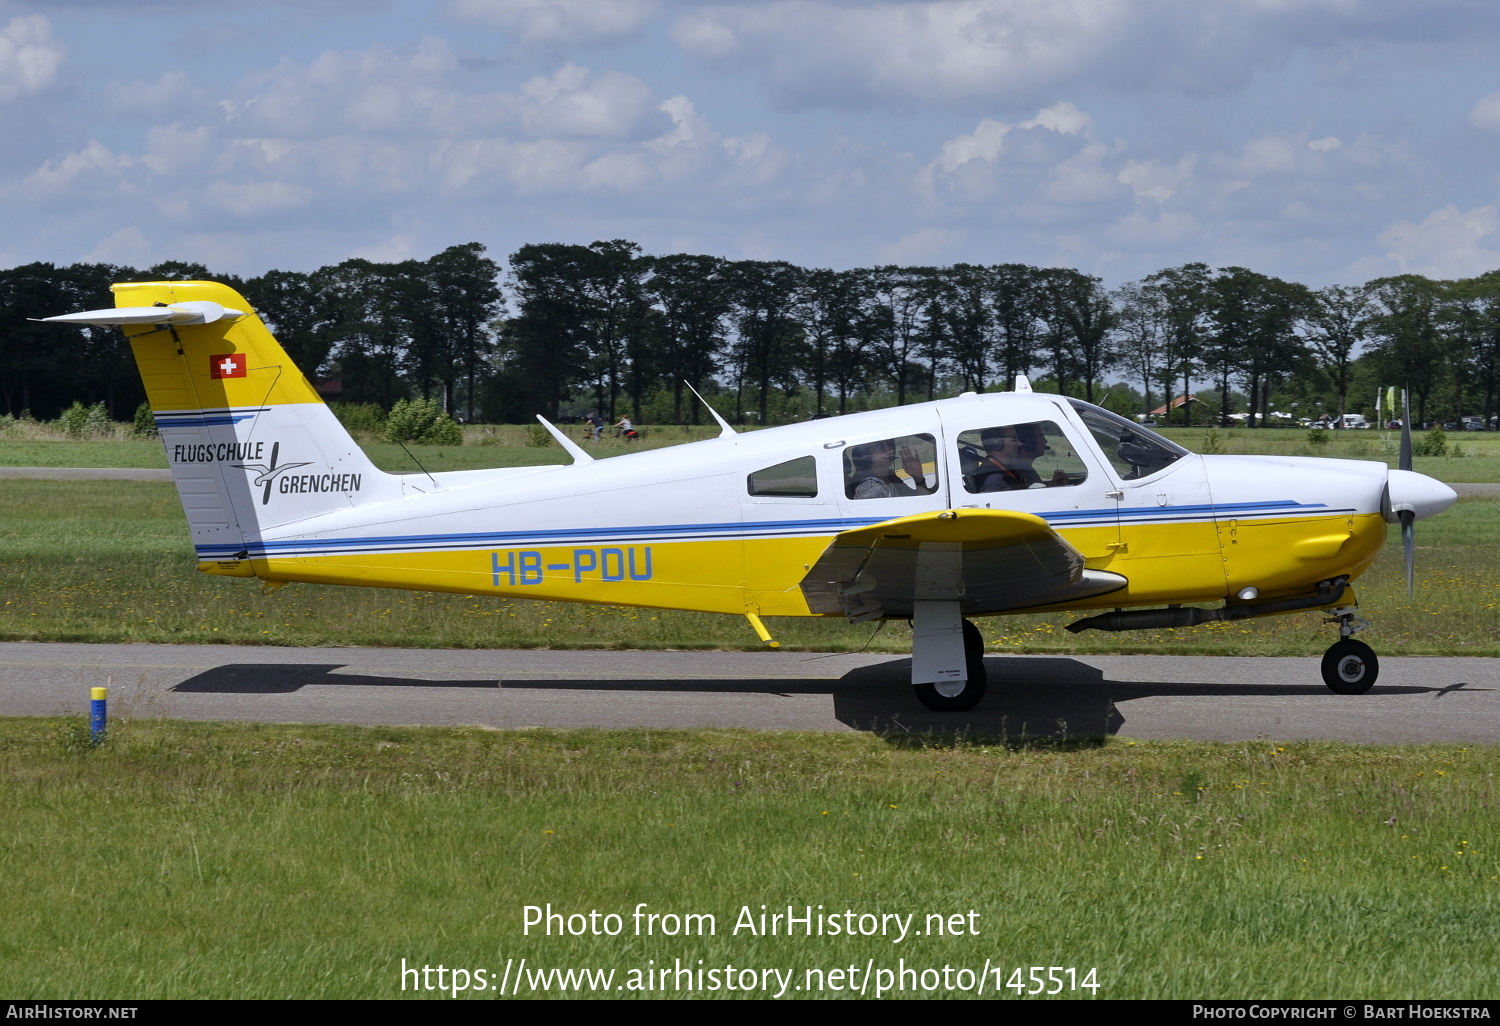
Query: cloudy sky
1327	141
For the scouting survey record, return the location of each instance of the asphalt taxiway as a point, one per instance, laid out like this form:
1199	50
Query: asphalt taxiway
1147	697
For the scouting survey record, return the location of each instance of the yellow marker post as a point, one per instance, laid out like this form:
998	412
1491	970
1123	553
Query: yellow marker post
98	714
760	629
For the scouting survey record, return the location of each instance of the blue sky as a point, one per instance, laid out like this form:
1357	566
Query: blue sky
1326	141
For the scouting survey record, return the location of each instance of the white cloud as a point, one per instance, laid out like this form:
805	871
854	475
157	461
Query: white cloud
253	199
572	102
172	94
689	128
985	143
126	246
757	161
391	251
702	33
174	149
1053	152
623	171
560	21
1012	53
1154	181
537	166
1325	145
57	174
1486	113
1270	154
1168	228
931	51
373	91
426	93
1063	118
1446	244
29	58
923	246
1081	179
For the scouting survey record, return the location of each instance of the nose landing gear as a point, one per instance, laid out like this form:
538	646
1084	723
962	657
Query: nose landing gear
1349	666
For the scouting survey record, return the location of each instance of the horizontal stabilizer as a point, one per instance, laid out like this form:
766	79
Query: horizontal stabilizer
194	311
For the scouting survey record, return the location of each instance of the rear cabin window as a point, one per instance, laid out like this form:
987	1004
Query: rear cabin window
893	468
794	479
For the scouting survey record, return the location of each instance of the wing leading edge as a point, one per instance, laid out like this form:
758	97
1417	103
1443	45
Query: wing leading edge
989	561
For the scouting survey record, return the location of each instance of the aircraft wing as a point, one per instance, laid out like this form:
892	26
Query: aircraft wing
987	560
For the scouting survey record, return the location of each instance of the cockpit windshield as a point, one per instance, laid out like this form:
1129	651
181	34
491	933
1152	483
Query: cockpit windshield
1132	450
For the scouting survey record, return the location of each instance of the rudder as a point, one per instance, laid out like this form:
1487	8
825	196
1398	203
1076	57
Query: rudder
251	444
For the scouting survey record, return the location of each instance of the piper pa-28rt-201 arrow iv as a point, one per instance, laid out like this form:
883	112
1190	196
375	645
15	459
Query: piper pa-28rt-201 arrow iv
979	505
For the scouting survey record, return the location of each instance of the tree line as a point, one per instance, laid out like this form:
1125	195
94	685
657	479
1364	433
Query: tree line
605	328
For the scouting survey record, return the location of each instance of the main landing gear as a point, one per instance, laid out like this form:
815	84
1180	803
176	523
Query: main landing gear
959	695
1349	666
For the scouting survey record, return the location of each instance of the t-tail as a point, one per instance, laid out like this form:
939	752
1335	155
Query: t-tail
251	444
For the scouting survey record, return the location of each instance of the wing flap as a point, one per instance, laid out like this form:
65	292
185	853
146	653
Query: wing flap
988	560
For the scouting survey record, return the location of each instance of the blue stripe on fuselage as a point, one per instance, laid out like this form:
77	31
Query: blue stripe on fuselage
726	531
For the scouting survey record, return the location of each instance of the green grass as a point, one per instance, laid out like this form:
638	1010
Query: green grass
1479	462
484	447
505	446
111	562
242	860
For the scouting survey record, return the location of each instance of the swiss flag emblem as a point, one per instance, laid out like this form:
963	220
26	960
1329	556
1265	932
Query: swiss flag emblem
227	365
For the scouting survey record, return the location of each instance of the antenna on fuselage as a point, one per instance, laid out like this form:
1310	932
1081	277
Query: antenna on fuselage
1023	387
572	447
725	430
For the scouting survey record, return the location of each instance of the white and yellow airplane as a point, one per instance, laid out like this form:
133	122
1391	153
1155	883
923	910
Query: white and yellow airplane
979	505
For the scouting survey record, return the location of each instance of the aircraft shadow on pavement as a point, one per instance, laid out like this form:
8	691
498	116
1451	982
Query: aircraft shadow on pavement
1029	698
284	678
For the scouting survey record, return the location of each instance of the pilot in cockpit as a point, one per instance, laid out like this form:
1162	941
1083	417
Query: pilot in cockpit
1009	453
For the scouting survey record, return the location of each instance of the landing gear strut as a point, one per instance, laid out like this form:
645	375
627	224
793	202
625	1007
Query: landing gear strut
959	696
1349	666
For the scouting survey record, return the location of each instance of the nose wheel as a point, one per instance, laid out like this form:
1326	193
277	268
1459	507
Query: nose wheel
1350	667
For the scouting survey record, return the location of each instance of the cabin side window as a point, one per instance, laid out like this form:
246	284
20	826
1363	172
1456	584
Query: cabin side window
794	479
1014	457
892	468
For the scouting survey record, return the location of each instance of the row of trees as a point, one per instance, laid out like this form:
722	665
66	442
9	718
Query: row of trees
388	331
609	329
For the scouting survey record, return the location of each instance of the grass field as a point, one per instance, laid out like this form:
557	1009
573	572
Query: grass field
216	860
111	562
239	860
503	445
506	445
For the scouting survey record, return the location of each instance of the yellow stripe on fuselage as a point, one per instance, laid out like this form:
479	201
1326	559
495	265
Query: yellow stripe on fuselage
1279	557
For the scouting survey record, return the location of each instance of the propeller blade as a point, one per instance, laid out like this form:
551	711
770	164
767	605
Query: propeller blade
1409	543
1405	433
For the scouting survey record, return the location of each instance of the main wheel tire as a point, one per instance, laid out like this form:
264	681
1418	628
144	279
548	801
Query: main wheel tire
973	689
1350	667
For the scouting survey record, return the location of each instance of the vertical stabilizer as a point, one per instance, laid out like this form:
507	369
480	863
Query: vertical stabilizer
251	445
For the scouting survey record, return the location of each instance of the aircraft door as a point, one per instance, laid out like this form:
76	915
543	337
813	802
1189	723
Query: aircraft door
1169	544
1034	460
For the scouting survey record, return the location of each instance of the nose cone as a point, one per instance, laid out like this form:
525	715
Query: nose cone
1422	495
